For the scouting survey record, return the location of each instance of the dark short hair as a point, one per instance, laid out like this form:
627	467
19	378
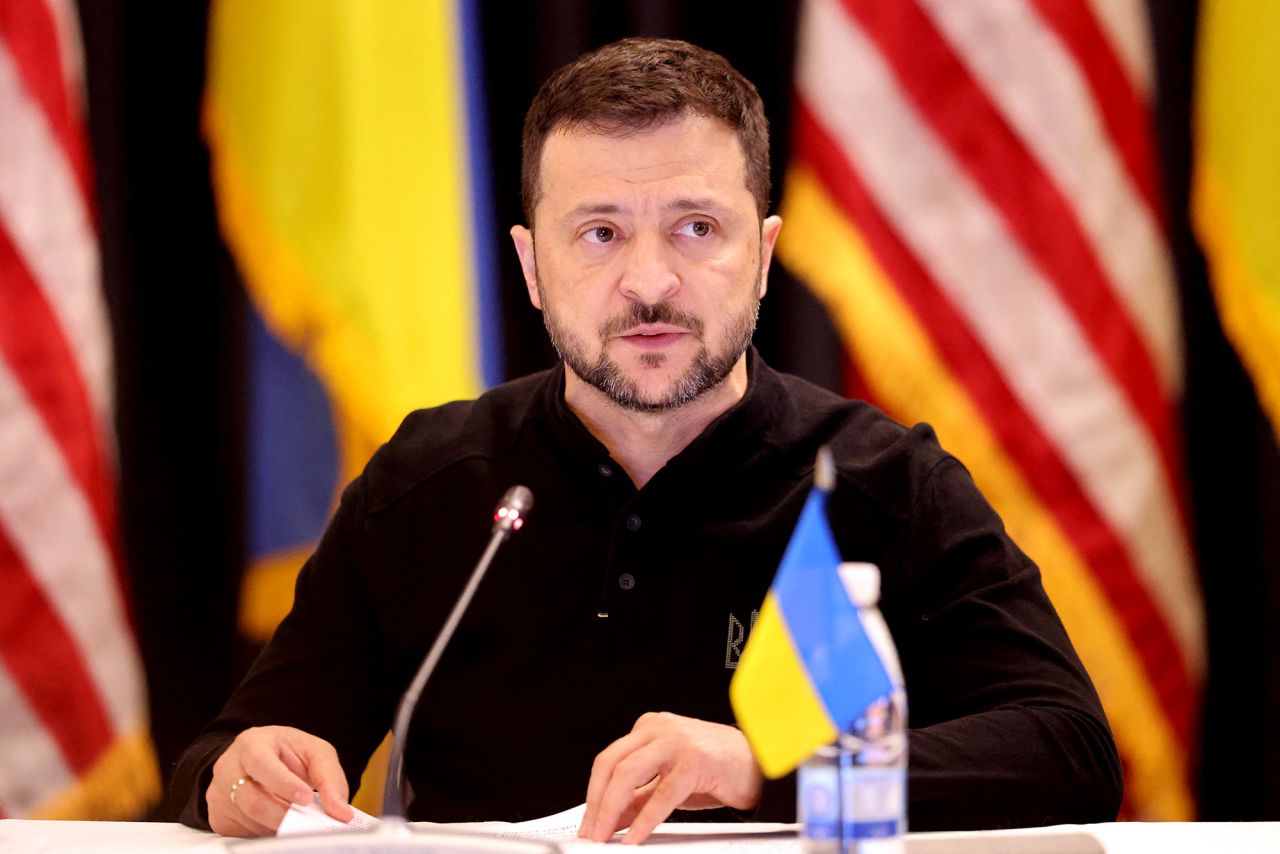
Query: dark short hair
636	83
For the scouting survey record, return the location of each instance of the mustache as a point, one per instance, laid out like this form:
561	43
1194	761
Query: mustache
641	314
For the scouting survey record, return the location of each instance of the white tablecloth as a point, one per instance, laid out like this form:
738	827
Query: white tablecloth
106	837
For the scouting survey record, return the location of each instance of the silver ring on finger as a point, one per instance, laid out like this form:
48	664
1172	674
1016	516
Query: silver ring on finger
236	785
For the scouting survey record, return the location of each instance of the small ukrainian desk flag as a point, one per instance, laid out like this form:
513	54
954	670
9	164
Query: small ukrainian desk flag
808	669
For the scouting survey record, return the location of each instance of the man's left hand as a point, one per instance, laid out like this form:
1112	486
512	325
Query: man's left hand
667	762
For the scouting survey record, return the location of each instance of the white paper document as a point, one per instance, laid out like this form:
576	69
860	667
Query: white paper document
312	818
561	828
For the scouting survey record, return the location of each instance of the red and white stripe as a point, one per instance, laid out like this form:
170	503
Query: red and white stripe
1017	302
1128	33
995	157
1034	82
70	676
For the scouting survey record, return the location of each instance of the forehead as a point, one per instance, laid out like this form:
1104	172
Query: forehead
685	157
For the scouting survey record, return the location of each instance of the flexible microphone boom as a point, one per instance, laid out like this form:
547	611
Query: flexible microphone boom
507	519
393	834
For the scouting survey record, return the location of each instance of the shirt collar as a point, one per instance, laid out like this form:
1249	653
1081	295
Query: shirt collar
744	422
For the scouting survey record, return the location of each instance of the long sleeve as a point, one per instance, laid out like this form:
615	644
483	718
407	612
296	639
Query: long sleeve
323	672
1007	729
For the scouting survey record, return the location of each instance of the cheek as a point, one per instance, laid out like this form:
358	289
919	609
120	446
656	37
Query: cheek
574	297
730	274
730	257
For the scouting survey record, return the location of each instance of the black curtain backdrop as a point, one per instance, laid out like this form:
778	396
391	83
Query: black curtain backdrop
178	322
1233	469
178	315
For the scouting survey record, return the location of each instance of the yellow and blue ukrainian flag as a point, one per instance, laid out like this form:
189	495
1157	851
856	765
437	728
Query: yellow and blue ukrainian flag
1235	192
350	164
349	158
808	669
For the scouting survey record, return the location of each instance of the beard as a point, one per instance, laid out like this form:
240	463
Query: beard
706	371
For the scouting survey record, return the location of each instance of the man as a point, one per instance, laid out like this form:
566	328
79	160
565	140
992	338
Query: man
669	464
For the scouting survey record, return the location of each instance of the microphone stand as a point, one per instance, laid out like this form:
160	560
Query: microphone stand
508	518
393	833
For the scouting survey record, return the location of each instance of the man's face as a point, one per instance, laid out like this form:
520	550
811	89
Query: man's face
650	260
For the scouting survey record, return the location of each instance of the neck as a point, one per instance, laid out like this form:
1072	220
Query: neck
643	442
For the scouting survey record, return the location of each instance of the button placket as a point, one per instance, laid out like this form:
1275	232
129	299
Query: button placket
621	576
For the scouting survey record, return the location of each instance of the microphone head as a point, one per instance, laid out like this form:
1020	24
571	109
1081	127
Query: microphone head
514	506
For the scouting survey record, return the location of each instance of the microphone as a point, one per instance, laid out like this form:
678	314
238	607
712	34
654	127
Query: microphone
393	834
515	505
507	519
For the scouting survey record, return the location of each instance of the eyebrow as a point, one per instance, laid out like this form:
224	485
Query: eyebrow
696	204
592	210
683	204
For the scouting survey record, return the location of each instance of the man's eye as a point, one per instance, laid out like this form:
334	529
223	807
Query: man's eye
697	228
599	234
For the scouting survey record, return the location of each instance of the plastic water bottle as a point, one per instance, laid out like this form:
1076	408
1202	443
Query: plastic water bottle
818	801
872	754
851	796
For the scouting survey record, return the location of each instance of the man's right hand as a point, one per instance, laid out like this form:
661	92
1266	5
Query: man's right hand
267	768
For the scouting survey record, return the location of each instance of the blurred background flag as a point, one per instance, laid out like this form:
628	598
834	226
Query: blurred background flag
1236	182
73	723
974	197
345	139
808	669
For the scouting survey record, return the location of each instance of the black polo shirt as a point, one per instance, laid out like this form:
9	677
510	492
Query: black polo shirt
613	601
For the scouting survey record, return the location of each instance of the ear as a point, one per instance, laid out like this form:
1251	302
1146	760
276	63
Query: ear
768	237
523	239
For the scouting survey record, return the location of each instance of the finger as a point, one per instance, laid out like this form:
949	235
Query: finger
237	823
315	760
629	774
261	760
328	778
225	817
637	803
260	807
602	773
670	792
224	823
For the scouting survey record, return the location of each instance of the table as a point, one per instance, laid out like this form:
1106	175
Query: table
105	837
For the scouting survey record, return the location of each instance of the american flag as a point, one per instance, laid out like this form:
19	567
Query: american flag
73	736
973	195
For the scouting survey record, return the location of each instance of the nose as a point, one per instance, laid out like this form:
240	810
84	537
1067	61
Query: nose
649	273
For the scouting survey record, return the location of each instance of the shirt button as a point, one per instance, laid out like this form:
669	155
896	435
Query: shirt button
626	581
605	470
632	522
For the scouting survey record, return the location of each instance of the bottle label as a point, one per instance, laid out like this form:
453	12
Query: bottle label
875	801
819	801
